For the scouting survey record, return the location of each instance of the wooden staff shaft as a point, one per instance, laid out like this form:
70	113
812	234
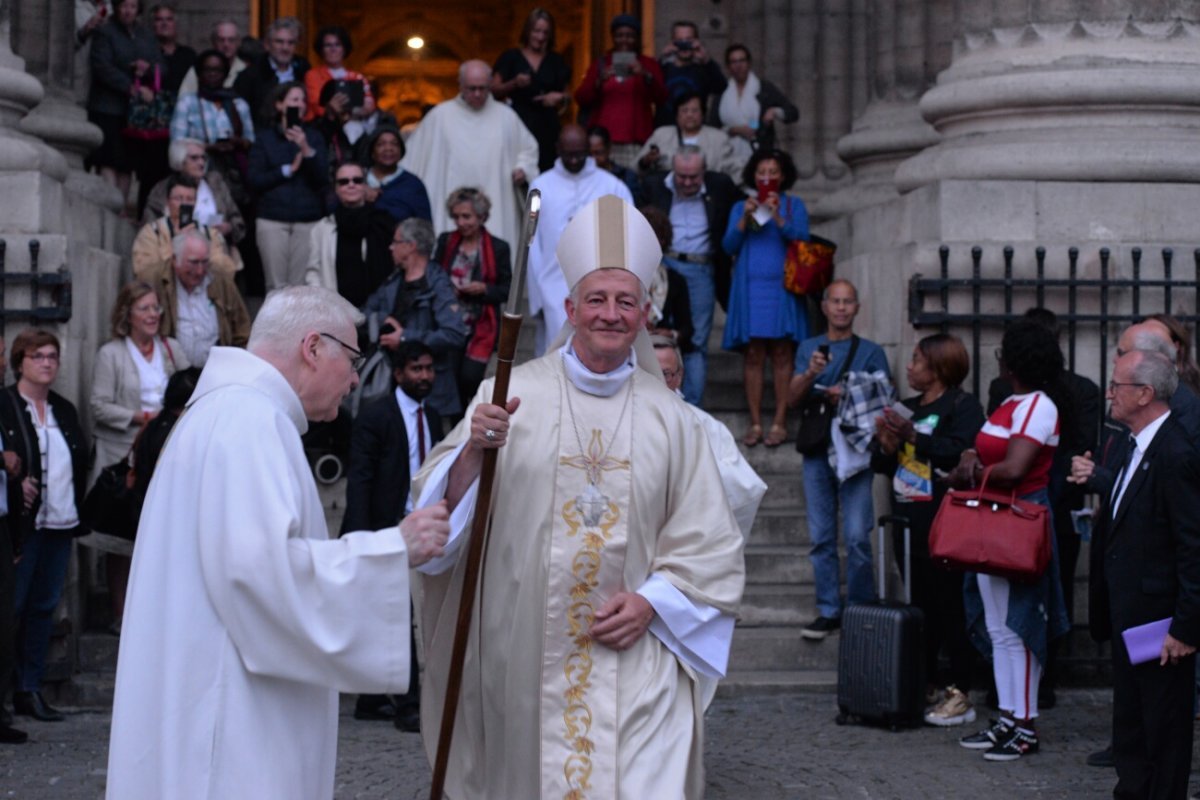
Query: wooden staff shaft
510	329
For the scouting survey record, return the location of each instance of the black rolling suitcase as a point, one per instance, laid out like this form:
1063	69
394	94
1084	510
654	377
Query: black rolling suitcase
881	656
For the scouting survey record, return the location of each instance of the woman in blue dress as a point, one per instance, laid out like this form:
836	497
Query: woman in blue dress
764	319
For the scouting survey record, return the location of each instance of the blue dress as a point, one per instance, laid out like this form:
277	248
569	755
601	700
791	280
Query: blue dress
759	307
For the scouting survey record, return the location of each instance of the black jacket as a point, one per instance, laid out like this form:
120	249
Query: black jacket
377	481
21	437
1145	563
299	197
114	49
255	82
720	194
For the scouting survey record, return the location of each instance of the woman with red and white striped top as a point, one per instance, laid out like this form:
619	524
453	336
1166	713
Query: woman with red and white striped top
1016	621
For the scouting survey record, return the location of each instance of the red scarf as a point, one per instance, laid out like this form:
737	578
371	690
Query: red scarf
487	326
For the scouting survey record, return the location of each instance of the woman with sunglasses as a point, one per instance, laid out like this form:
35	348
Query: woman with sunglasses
349	250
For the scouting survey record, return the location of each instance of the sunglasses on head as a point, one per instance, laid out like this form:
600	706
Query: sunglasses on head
348	181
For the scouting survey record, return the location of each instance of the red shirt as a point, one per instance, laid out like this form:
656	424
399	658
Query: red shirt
1030	416
625	106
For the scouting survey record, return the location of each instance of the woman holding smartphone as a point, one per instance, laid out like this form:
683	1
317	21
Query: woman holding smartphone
763	317
289	172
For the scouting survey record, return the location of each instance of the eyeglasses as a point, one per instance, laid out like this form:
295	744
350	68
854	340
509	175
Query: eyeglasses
670	374
155	309
347	181
399	241
51	357
1112	385
357	359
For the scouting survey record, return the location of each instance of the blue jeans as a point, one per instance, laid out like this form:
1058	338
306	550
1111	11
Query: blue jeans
40	575
702	294
822	496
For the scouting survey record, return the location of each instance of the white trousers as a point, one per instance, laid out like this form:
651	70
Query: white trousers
284	248
1014	665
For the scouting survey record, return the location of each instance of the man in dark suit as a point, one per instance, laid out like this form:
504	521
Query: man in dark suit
279	64
1145	565
697	201
392	434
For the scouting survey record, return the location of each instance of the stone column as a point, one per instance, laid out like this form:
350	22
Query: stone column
904	44
1062	91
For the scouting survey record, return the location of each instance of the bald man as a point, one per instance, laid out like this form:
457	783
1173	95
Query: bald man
474	140
571	184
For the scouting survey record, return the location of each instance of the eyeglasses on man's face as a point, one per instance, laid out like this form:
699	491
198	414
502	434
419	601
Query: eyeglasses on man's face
356	180
357	359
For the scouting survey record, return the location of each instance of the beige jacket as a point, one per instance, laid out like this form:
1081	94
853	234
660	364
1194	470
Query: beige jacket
152	251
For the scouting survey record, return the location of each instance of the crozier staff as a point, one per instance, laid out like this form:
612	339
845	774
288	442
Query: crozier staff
624	532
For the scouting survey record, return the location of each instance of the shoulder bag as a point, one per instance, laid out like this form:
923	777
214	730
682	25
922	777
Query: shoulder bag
816	416
989	531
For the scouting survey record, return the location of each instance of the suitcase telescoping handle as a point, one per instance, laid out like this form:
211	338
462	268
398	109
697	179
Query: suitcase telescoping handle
884	521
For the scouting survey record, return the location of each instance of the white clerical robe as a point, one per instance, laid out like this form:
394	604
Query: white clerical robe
456	146
244	619
563	194
743	487
544	710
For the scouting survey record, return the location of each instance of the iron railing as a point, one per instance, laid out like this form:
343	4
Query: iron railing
56	284
1119	300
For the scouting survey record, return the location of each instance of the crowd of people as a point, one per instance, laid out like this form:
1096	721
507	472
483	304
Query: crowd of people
258	171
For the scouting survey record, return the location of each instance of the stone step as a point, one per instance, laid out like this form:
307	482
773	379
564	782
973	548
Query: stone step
783	491
783	525
743	683
775	604
98	652
777	647
777	564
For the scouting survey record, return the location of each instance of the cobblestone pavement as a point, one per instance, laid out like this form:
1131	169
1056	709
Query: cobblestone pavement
758	748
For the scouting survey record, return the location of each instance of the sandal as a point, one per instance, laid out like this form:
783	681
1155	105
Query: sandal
776	436
753	436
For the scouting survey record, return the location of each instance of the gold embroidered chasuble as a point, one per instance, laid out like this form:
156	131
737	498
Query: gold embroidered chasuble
545	711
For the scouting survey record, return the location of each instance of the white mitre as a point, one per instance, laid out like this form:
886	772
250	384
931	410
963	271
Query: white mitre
609	233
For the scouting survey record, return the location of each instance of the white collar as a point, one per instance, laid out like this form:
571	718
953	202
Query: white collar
408	406
604	384
1147	434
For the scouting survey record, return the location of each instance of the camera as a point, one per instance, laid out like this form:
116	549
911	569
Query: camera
684	44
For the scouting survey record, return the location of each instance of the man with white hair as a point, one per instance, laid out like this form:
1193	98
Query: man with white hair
201	308
475	140
244	618
608	522
226	38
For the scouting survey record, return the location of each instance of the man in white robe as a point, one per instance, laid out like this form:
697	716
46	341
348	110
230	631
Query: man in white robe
574	182
244	620
743	487
474	140
608	523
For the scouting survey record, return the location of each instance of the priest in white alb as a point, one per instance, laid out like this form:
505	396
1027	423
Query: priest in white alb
573	182
473	140
614	566
244	619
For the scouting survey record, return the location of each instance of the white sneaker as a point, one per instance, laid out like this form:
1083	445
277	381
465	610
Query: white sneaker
955	709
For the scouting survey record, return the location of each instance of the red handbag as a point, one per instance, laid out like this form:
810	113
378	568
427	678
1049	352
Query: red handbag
982	530
808	266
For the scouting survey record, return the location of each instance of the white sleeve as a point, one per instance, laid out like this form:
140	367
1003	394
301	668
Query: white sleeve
460	518
699	635
1036	418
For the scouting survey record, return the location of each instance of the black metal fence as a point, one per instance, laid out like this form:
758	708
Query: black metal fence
1115	300
55	285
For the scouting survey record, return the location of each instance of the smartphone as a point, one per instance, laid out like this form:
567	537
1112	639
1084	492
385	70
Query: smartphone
823	349
386	328
354	90
623	63
186	214
293	116
766	187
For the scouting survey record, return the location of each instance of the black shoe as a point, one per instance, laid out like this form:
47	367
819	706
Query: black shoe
820	627
408	720
1019	743
32	704
10	735
383	712
997	731
1102	758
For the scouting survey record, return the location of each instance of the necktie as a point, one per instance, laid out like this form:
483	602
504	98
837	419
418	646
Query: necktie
420	435
1120	482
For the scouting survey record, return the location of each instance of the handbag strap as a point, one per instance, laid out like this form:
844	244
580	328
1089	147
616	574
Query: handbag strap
987	471
849	358
170	354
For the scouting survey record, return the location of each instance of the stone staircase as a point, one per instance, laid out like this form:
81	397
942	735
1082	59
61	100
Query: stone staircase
768	653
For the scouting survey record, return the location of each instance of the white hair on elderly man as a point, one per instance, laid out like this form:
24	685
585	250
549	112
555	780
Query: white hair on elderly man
179	242
289	314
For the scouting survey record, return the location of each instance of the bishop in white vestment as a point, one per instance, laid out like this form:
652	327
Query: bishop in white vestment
474	140
244	620
614	565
